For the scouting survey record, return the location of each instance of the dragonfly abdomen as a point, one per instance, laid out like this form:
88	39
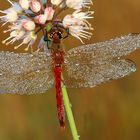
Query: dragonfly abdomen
59	98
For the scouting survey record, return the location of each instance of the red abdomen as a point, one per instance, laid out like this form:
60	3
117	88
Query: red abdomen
58	60
59	97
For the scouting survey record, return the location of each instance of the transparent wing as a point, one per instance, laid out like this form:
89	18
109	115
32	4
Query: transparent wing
24	73
101	52
90	75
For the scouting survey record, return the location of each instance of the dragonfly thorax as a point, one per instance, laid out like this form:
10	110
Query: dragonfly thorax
56	34
58	57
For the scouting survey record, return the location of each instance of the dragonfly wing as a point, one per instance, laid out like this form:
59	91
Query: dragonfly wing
90	75
24	73
17	63
98	53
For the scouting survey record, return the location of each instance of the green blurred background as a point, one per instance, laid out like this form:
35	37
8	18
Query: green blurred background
108	112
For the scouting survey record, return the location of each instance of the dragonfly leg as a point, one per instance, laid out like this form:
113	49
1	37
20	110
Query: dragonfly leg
67	34
47	40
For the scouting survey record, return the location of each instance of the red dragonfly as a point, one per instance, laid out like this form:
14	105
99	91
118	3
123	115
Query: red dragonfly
83	66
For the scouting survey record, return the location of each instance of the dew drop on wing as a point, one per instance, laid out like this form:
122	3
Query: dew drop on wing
90	75
101	52
24	73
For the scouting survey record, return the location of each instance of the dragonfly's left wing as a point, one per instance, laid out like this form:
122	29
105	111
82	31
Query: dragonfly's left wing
99	53
24	73
90	75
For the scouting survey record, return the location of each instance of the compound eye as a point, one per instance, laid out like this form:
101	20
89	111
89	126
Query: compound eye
59	34
51	35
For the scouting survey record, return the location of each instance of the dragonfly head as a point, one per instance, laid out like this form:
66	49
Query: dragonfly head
57	32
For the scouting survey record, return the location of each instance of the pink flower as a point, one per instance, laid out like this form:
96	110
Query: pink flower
35	6
78	25
41	19
49	13
27	17
28	25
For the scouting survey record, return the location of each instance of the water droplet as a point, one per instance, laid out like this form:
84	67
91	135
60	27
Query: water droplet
77	64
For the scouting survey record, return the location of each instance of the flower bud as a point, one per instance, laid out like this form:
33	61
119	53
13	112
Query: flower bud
49	12
28	25
35	6
56	2
24	4
40	19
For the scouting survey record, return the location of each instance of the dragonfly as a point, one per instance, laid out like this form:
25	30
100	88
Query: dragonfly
85	66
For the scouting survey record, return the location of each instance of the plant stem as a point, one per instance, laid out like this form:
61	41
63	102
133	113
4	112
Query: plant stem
69	113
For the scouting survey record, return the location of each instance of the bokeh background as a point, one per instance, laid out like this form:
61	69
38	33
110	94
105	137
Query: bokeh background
108	112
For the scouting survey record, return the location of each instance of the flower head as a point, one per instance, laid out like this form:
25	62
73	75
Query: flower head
29	17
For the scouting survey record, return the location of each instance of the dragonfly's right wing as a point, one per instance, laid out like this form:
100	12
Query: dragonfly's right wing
99	53
90	75
24	73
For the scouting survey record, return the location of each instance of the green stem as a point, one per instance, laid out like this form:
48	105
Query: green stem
69	113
